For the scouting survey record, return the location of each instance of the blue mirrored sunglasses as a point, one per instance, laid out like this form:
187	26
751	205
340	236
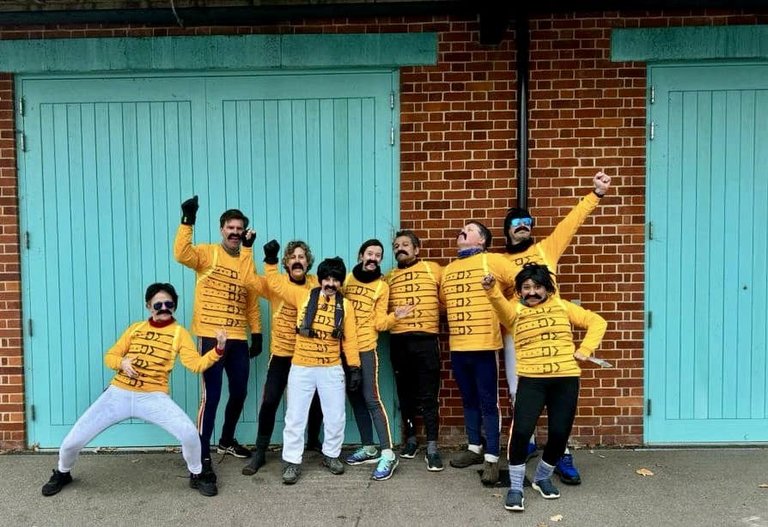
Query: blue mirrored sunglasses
169	304
516	222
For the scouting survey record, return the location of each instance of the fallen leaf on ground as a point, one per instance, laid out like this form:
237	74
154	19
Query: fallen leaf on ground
497	495
644	472
763	486
556	518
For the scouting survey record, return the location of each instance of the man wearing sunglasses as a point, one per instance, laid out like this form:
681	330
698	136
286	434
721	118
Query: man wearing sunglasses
520	250
226	296
143	358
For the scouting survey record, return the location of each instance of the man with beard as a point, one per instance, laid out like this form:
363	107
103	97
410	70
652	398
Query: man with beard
413	344
369	294
226	296
520	250
475	340
143	358
325	328
297	261
548	365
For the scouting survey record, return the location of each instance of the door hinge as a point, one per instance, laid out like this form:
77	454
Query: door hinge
391	100
21	106
32	412
22	141
26	239
650	230
653	94
29	326
652	132
391	136
649	316
648	407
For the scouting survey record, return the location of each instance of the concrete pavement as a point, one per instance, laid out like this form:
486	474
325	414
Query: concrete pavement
701	487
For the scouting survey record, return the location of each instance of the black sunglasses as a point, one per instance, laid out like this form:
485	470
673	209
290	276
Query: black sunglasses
169	304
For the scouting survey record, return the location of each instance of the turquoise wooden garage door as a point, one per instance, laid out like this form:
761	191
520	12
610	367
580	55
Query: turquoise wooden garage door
707	268
104	165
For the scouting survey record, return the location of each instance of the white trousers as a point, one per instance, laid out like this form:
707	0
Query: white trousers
331	387
115	405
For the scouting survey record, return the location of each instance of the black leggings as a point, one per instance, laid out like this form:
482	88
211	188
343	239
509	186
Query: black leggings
416	364
561	396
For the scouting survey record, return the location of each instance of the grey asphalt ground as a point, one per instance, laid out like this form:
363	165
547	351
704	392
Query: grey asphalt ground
692	487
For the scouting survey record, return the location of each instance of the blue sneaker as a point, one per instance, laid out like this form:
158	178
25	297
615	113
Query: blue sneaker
360	457
385	468
515	501
566	471
532	451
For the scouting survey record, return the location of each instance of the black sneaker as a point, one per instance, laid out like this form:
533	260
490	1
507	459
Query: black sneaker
208	470
547	490
234	449
57	482
334	465
434	462
409	450
515	501
291	473
203	483
257	461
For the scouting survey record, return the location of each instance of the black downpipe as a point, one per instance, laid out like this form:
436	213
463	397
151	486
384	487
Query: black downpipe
523	39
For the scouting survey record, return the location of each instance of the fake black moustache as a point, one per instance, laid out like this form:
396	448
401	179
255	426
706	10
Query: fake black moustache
368	262
534	296
521	228
398	253
235	237
164	312
297	265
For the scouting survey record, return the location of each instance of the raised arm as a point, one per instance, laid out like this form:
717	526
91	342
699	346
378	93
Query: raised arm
183	251
556	243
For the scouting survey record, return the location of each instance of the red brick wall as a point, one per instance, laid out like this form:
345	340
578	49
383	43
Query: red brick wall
11	371
458	161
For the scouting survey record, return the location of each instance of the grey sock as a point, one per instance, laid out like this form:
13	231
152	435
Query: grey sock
431	447
543	471
516	477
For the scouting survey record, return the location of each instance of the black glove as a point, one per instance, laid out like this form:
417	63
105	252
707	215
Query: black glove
247	242
271	248
355	378
256	345
189	211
